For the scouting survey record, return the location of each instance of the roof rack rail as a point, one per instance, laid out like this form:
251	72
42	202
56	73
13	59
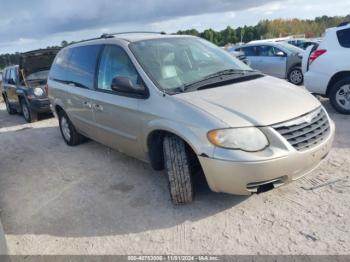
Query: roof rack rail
344	24
107	35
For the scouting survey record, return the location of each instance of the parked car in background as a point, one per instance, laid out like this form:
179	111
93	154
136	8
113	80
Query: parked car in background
239	55
302	43
327	68
24	85
186	106
277	59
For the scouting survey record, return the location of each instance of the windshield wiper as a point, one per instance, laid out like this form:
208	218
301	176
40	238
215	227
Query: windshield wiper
227	72
212	78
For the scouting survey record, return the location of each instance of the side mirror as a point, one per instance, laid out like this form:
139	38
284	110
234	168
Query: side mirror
280	54
124	85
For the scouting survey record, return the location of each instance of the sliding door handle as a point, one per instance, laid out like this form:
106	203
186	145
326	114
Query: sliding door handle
97	107
87	104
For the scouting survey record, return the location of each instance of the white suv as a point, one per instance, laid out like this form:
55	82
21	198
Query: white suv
327	68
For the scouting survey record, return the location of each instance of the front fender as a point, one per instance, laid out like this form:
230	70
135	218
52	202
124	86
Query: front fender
195	137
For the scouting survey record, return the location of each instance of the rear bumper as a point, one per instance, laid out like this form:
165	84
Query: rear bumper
40	105
244	178
316	82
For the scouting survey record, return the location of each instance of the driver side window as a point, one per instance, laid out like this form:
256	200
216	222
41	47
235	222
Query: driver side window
269	51
115	62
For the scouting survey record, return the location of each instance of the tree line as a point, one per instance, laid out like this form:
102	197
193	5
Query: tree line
269	29
263	30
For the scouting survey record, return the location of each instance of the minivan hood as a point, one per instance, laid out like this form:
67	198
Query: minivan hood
260	102
38	60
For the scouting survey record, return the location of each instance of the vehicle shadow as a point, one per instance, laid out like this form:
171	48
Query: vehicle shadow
49	188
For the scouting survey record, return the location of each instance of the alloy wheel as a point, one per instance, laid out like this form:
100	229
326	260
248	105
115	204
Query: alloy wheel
65	128
343	97
296	77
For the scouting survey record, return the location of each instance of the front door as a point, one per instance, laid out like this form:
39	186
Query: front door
272	61
116	114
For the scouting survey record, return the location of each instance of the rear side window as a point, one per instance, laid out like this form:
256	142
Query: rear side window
59	67
344	37
76	66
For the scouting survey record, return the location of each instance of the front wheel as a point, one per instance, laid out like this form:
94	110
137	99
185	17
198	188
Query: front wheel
295	76
177	165
339	96
28	114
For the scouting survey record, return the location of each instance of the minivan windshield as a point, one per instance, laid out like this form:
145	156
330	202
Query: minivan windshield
178	62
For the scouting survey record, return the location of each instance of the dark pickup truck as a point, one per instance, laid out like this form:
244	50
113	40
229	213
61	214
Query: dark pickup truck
24	86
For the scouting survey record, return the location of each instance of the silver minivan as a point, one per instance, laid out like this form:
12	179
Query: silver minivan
184	105
278	59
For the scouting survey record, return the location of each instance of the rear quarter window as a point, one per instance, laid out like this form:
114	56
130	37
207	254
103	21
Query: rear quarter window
76	65
344	37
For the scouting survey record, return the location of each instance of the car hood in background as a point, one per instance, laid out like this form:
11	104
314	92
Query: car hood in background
261	102
38	60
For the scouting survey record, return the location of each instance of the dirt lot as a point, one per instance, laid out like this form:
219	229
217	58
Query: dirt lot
56	199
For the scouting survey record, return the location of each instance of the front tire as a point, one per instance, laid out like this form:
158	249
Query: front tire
178	168
339	96
295	76
69	133
28	114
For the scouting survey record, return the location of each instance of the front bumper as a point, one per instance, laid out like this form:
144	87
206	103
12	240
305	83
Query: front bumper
244	178
41	105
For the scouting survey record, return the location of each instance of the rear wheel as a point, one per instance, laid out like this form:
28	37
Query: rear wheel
28	114
339	96
178	168
295	76
9	109
69	133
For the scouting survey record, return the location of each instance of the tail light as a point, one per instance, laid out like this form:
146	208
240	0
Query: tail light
316	54
47	89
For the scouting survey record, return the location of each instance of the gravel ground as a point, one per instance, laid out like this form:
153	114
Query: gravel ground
89	199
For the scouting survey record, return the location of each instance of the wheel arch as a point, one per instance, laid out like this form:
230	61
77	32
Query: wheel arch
153	143
336	78
293	66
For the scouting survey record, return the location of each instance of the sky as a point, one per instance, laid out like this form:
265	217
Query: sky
27	25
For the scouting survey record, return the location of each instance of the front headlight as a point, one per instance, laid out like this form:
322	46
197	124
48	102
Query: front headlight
38	91
249	139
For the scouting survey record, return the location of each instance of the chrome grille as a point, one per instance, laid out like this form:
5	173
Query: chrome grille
306	131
